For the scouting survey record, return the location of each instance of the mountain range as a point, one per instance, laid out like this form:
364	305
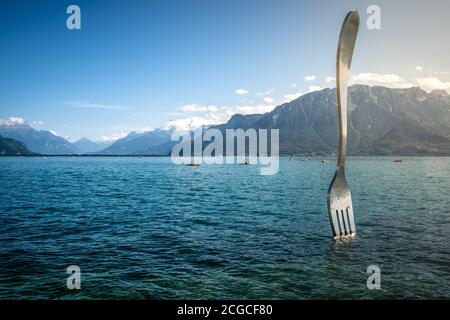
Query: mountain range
38	141
11	147
381	121
85	145
148	143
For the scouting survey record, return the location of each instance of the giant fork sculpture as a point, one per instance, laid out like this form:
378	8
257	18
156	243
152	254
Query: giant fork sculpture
340	209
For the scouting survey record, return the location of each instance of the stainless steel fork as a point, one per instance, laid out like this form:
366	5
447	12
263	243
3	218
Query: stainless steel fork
340	209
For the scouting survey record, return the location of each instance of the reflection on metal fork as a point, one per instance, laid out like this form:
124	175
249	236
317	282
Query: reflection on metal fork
340	208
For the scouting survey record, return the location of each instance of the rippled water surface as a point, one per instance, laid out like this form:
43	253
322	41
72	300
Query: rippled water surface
144	228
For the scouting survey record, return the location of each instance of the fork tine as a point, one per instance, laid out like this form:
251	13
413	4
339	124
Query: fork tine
335	224
351	219
341	223
345	223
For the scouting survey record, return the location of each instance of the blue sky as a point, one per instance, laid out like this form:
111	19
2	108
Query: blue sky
138	65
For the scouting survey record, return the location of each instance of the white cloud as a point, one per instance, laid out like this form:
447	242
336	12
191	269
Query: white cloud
113	137
432	83
293	85
388	80
208	115
13	121
53	132
314	88
330	79
269	100
291	96
86	104
441	72
37	123
222	116
241	92
419	68
190	123
129	128
194	107
310	78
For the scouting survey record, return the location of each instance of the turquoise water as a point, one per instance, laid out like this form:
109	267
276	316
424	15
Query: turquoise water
143	228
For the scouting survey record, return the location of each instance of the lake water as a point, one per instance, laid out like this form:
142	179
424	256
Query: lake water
144	228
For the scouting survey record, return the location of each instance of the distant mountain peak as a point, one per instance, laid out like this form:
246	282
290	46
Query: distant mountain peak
84	139
139	143
40	141
86	145
439	92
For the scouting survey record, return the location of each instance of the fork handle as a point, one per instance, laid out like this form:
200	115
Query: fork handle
346	44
